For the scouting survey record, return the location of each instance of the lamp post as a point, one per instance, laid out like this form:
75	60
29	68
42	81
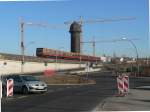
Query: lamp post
137	56
22	44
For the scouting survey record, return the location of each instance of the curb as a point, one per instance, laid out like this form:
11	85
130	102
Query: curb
74	84
100	106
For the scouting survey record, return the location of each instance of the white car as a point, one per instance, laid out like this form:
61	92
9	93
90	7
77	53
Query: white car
27	84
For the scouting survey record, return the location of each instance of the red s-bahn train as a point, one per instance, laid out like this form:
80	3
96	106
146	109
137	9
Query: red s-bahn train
53	54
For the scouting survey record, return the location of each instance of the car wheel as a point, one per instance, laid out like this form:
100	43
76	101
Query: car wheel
25	90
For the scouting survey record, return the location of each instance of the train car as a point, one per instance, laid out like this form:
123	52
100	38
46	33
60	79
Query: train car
53	54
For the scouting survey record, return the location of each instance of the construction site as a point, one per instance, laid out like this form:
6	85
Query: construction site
74	56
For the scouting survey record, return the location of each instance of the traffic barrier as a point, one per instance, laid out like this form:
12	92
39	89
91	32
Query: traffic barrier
120	85
126	84
123	85
10	87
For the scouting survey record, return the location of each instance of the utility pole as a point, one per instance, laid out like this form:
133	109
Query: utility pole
93	42
93	46
22	44
81	36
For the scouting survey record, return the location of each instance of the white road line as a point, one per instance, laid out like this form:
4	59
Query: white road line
22	97
143	87
10	98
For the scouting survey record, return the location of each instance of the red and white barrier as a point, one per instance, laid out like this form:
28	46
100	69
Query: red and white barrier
123	84
120	85
10	84
126	84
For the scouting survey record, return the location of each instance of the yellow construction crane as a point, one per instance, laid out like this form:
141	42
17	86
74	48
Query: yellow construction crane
81	22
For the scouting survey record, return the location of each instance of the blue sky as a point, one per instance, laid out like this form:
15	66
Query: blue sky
58	12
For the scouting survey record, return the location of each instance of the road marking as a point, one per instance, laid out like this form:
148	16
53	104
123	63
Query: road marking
10	98
22	97
143	87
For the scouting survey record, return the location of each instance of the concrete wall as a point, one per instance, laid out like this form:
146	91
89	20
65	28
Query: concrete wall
10	66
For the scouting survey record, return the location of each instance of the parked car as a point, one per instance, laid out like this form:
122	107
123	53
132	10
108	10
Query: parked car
25	84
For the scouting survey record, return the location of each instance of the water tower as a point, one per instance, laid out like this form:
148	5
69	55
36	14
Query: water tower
75	31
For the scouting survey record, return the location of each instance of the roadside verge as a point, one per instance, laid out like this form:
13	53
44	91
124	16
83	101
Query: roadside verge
62	79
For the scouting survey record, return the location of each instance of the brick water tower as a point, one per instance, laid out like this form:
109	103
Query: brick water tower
75	31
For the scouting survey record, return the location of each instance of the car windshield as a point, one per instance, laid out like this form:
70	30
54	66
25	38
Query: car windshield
29	78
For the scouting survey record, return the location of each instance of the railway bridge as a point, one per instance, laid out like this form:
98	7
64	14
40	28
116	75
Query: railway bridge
11	63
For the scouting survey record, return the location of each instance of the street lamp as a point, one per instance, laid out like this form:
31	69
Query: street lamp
126	39
22	44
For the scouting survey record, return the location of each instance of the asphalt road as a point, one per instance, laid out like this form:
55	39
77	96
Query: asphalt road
74	98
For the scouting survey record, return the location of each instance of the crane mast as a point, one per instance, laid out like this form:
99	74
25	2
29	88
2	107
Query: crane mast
81	22
22	45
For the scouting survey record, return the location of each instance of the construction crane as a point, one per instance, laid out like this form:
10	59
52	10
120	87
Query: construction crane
45	25
81	22
22	28
93	42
